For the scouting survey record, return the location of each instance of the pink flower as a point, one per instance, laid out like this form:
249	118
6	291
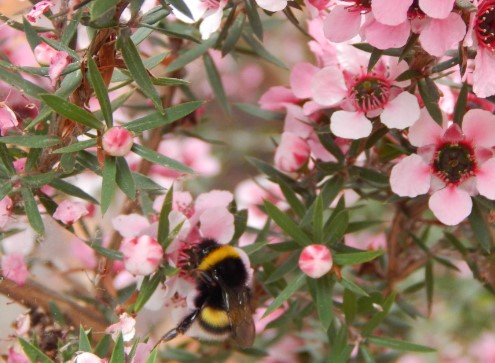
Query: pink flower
14	268
130	225
142	255
126	325
315	260
117	141
218	224
484	63
57	65
16	357
362	94
8	119
272	5
69	211
451	164
44	53
142	353
6	206
292	153
210	11
87	358
38	10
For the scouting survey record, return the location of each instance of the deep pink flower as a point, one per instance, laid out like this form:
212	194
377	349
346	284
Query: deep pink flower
117	141
292	153
484	63
451	164
362	94
315	260
16	357
14	268
142	255
38	10
70	211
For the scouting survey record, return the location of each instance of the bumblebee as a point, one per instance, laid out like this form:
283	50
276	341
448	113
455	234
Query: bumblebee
223	303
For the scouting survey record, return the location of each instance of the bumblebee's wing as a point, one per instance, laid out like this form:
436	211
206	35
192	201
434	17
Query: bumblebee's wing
240	316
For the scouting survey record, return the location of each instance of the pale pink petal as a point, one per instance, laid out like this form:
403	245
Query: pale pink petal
218	224
212	199
451	205
396	68
315	260
117	141
440	35
196	7
390	12
341	25
88	358
211	22
272	5
485	179
453	134
16	357
57	66
410	177
401	112
328	86
44	53
292	153
142	353
8	119
352	59
69	211
437	8
276	98
478	127
483	75
14	268
297	122
387	36
6	207
350	125
142	255
130	225
126	325
482	154
38	10
425	131
300	79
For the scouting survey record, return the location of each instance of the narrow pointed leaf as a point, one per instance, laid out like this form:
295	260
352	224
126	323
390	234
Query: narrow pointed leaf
33	141
192	54
71	111
101	91
21	84
215	81
318	220
108	183
124	178
291	288
254	18
287	224
78	146
160	159
32	212
356	258
84	343
163	223
479	226
71	189
118	353
399	345
34	354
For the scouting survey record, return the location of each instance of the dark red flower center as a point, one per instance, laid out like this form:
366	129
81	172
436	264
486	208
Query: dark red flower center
485	24
370	93
363	6
415	11
454	163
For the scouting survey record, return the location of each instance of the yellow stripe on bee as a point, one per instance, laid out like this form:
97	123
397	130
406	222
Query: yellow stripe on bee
216	256
215	318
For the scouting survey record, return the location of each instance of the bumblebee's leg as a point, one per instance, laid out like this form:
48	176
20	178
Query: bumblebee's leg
180	329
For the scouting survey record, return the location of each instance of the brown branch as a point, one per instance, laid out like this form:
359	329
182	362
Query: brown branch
33	294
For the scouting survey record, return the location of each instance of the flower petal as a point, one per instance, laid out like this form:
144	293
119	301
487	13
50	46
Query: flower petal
341	25
478	127
272	5
386	36
328	86
218	224
439	9
300	79
451	205
211	22
485	179
401	112
440	35
483	75
390	12
425	131
410	177
350	125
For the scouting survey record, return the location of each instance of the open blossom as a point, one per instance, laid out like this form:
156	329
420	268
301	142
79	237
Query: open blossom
363	95
142	255
117	141
126	325
69	211
451	164
211	11
484	32
38	10
315	260
14	268
292	153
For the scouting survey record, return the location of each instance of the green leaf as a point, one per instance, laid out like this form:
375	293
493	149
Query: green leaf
6	160
361	225
163	222
254	18
124	178
349	306
258	48
348	284
106	252
215	81
291	288
375	56
38	180
156	120
356	258
101	91
379	316
160	159
430	96
152	356
191	54
32	212
118	353
71	189
291	198
479	226
84	343
33	141
287	224
145	183
233	34
70	30
71	111
78	146
365	353
108	183
324	303
284	269
460	105
32	36
5	189
399	345
132	60
336	226
61	47
167	81
103	346
259	113
33	353
182	7
102	9
24	86
240	223
148	287
318	220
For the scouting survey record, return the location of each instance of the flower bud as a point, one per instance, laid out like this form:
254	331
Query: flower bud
315	260
292	153
44	54
117	141
142	255
69	211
